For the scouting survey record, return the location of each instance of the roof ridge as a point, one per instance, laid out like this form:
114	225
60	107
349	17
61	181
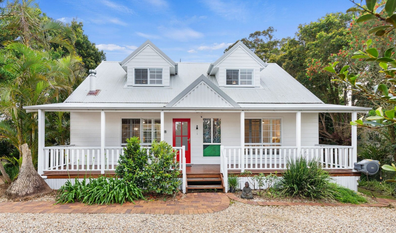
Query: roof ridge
141	47
233	48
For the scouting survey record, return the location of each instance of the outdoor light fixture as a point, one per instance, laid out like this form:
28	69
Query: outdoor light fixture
196	127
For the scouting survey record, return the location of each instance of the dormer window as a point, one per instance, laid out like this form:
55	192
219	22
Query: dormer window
150	76
239	76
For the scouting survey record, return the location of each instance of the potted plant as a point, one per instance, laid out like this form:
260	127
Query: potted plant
233	181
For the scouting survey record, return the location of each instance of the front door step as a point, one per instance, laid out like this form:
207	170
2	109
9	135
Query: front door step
204	182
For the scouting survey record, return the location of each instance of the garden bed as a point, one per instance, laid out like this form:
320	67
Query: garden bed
267	197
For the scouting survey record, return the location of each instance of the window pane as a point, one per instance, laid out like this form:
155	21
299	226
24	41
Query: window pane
185	128
206	130
155	76
276	131
232	77
178	141
247	130
130	128
147	136
216	130
266	131
246	77
178	128
157	130
141	76
252	131
185	141
255	131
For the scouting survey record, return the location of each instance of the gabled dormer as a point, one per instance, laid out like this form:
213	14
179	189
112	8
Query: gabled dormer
238	67
148	66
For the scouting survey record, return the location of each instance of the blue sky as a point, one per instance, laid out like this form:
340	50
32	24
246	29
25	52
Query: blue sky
190	30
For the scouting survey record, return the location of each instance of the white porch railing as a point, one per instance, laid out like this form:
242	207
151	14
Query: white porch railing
277	157
70	158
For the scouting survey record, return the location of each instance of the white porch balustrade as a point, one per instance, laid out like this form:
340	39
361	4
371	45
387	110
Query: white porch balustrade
87	159
238	159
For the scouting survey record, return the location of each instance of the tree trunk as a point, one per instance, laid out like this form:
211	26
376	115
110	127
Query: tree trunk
5	176
29	182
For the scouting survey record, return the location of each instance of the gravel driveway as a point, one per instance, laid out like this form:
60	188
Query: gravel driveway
237	218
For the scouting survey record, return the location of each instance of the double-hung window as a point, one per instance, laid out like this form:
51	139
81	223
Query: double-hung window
147	130
150	76
211	136
239	77
266	131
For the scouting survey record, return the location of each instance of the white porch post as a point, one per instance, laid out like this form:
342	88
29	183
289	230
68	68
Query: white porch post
298	133
354	139
243	141
41	141
102	141
162	126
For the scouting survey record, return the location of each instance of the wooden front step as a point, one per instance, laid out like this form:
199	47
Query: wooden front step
204	182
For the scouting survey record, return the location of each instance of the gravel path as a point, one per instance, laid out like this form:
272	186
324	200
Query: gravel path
237	218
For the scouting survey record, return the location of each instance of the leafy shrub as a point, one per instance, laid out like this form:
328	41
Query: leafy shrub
345	195
151	172
12	170
233	181
306	179
102	190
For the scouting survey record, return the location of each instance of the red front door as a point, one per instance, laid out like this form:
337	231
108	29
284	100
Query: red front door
181	136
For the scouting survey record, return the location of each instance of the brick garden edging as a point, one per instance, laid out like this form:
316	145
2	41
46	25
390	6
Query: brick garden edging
192	203
381	203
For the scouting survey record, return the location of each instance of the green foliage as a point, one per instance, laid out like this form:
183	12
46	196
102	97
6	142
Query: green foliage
345	195
306	179
372	73
12	170
233	181
41	61
101	191
263	44
383	188
152	172
377	147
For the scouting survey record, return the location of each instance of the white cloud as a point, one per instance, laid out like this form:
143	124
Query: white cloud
117	7
148	36
117	21
180	34
192	51
215	46
227	9
66	19
108	20
132	47
157	3
114	47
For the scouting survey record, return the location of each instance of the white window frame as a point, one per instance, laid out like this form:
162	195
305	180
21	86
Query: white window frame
141	129
211	132
239	77
261	131
148	76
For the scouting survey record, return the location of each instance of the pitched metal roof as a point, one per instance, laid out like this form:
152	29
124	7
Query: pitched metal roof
276	87
240	44
141	47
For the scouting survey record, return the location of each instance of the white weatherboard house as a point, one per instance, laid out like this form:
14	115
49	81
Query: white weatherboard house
238	113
